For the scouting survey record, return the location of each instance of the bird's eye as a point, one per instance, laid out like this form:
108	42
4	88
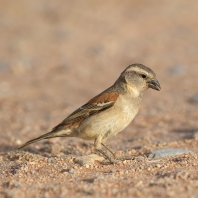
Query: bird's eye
143	75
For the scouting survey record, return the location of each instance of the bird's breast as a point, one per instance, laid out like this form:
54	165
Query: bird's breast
127	108
110	121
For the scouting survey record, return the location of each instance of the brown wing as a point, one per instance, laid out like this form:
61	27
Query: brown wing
95	105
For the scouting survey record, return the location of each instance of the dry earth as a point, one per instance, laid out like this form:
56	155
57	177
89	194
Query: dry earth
56	55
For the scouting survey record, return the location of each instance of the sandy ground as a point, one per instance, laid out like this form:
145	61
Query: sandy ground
56	55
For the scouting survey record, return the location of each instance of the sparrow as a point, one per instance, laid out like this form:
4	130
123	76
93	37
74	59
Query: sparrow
109	112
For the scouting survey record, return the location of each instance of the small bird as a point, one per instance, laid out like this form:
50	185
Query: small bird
109	112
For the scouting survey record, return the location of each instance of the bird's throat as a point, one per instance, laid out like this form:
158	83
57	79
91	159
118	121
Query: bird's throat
133	91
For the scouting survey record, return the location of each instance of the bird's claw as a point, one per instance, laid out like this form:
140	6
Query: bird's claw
106	156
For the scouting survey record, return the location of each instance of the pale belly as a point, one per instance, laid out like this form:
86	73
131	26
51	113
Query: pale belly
108	122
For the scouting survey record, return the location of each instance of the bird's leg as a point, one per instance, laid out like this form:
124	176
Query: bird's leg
113	153
105	155
97	145
108	148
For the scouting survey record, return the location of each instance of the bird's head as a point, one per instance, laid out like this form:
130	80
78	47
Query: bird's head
140	77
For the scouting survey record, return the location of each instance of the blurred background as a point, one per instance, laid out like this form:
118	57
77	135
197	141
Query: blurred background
56	55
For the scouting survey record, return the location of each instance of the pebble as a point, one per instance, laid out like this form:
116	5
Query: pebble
158	165
124	162
140	158
86	165
18	142
138	184
167	152
51	160
194	99
70	171
75	167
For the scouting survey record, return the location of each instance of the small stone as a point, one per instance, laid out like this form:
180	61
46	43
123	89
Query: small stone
75	167
86	165
138	184
17	184
71	171
112	171
124	162
51	160
88	159
18	142
194	99
167	152
158	165
121	172
140	158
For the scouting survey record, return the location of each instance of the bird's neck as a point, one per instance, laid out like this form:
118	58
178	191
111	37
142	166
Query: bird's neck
129	89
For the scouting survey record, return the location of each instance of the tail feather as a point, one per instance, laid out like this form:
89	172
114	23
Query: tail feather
42	137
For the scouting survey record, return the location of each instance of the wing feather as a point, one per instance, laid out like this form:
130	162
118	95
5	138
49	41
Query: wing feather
95	105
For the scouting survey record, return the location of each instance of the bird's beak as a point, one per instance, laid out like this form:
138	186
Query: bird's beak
154	84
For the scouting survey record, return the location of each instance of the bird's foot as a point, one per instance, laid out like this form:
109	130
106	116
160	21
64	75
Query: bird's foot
106	156
110	150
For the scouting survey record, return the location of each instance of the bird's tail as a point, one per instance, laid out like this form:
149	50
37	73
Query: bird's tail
51	134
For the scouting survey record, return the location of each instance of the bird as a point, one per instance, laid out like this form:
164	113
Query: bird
109	112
